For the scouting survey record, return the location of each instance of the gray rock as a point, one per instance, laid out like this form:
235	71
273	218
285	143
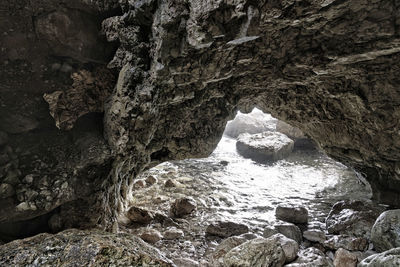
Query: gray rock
266	146
353	218
287	229
311	257
183	206
217	256
390	258
226	229
173	233
292	214
289	246
256	252
185	262
346	242
385	233
344	258
151	236
315	235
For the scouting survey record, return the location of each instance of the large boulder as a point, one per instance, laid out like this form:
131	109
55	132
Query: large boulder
252	123
266	146
257	252
385	233
390	258
81	248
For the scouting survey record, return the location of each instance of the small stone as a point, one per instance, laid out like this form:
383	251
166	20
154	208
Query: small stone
151	180
139	215
24	206
173	233
344	258
6	190
139	184
170	183
292	214
315	236
226	229
28	179
183	206
151	236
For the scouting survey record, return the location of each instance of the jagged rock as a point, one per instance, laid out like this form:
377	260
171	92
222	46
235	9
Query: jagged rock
385	233
287	229
183	206
292	214
170	183
257	252
344	258
252	123
311	257
226	229
266	146
388	258
346	242
151	236
315	236
140	215
289	246
217	256
83	248
353	218
173	233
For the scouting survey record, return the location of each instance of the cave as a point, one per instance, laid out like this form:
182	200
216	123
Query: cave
96	92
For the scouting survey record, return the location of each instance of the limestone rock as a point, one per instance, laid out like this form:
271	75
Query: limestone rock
256	252
226	229
385	233
315	236
253	123
151	236
83	248
388	258
344	258
183	206
287	229
266	146
217	256
354	218
311	257
289	246
292	214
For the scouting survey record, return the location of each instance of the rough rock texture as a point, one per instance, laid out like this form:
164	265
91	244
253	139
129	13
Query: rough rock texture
346	242
388	258
385	233
292	214
264	147
344	258
311	257
327	67
226	229
81	248
287	229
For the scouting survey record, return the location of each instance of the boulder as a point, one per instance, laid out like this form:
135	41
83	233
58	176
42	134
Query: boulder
292	214
315	235
81	248
287	229
173	233
385	233
183	206
289	246
346	242
252	123
311	257
353	218
390	258
344	258
266	146
217	256
256	252
226	229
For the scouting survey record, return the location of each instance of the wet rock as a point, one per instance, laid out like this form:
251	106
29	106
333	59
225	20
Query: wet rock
346	242
173	233
256	252
311	257
226	229
150	180
287	229
140	215
6	191
139	184
390	258
266	146
81	248
315	236
344	258
385	233
151	236
252	123
185	262
170	183
353	218
183	206
292	214
289	246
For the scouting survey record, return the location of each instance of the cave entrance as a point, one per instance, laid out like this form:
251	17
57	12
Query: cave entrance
228	186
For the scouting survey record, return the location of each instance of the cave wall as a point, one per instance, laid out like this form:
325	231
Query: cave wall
329	67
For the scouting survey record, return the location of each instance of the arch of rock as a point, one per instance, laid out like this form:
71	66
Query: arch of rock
177	71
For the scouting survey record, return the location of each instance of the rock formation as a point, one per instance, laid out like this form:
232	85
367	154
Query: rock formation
184	68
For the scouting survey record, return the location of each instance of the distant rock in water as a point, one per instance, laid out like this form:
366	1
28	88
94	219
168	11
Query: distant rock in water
252	123
266	146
